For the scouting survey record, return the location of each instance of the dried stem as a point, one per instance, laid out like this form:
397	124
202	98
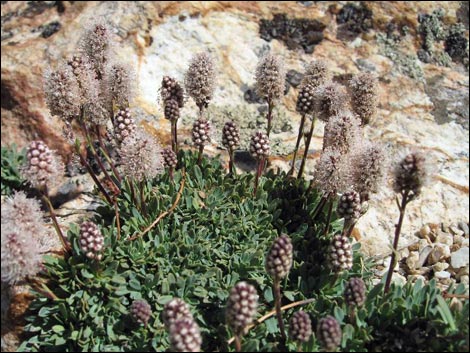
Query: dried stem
393	261
92	174
238	343
231	164
277	302
165	213
453	295
259	171
174	136
269	116
42	288
199	156
118	221
132	189
62	238
143	206
319	208
328	218
272	313
307	146
348	227
106	155
95	154
297	144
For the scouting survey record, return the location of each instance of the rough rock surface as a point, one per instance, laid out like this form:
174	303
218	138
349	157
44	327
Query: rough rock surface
428	112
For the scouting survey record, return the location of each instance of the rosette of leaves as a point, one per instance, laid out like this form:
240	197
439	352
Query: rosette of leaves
217	236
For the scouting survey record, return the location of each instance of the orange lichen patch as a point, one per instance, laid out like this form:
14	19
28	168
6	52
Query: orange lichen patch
356	234
163	135
19	304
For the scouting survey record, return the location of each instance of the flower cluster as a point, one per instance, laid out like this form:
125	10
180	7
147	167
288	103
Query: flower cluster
199	80
270	77
140	156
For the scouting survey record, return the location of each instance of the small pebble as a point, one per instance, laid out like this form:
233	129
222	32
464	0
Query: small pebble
414	278
464	279
412	260
456	230
439	252
460	258
442	274
425	231
444	238
440	266
464	227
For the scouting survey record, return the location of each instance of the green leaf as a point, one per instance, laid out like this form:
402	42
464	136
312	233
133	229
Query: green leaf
58	328
339	314
444	310
164	299
86	274
271	325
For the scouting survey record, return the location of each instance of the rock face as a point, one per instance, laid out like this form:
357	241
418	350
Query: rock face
421	105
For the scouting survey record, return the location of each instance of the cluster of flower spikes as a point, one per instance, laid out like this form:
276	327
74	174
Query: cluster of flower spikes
141	156
172	95
91	240
316	74
184	332
259	145
241	306
364	99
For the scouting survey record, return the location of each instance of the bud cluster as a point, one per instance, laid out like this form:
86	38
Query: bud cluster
340	256
329	333
241	306
349	206
300	326
185	336
124	125
176	309
355	292
170	160
201	129
259	145
141	311
43	167
91	240
279	259
230	135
